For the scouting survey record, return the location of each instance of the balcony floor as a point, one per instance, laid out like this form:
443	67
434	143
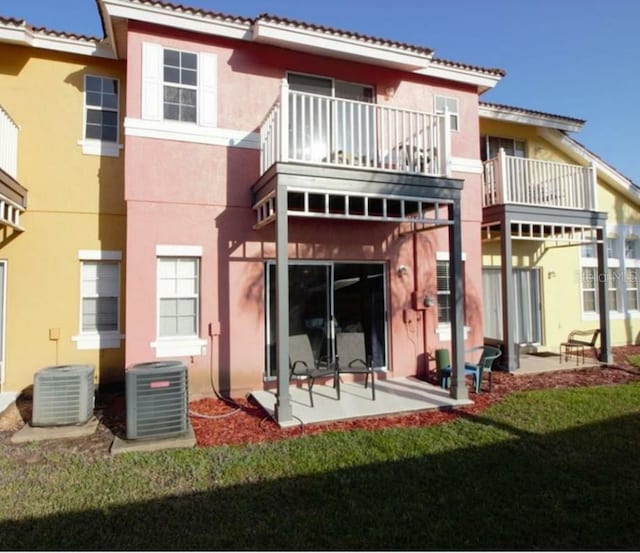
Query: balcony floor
393	396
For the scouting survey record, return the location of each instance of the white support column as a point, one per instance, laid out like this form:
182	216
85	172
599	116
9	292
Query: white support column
445	144
284	121
501	178
593	192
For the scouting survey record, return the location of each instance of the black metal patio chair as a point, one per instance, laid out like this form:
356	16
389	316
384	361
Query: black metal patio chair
303	364
352	358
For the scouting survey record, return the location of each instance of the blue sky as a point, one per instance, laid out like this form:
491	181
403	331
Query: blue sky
579	58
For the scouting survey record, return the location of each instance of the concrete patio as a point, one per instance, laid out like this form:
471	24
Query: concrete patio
543	362
393	396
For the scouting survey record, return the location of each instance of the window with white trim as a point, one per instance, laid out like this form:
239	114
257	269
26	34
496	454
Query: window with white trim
178	296
443	292
632	273
590	276
443	103
491	145
632	249
100	296
178	87
99	313
589	284
101	108
631	277
180	91
444	297
614	275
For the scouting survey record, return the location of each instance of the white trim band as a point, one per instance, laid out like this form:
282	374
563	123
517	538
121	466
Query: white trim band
170	250
100	255
179	347
189	132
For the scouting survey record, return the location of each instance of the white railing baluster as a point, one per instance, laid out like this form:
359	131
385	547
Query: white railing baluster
313	128
8	144
511	179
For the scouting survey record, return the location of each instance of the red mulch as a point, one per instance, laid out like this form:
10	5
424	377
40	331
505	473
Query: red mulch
251	423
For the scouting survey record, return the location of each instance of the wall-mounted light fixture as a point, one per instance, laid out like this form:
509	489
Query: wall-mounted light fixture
429	301
403	270
389	92
551	274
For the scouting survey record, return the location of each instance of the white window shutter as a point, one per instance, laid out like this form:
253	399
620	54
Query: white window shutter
208	90
152	81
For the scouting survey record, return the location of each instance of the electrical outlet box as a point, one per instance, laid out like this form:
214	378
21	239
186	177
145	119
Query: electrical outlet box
418	300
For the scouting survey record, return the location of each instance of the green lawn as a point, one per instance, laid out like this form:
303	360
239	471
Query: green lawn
634	360
554	469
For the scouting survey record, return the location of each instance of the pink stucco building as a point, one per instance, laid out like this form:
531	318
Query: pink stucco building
285	179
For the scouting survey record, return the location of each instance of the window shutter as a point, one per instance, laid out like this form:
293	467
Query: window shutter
208	90
152	81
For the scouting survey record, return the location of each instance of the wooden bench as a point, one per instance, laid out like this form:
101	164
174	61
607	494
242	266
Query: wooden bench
575	344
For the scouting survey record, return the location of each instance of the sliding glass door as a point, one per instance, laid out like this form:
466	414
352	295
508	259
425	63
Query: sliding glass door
327	298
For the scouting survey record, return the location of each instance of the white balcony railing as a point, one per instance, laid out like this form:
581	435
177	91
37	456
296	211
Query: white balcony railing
518	180
330	131
8	144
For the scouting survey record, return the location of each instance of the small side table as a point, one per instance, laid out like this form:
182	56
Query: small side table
572	349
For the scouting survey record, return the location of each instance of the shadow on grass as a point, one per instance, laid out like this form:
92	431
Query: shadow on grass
576	489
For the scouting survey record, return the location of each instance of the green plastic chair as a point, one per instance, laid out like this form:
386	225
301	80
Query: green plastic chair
488	356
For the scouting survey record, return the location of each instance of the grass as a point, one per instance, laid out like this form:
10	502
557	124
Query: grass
634	360
553	469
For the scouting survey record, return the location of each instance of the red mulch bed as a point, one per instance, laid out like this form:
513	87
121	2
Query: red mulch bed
251	423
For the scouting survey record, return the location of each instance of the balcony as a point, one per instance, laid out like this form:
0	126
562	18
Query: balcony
532	182
338	133
13	197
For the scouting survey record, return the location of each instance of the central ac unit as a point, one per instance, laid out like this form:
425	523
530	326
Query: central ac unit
157	400
63	395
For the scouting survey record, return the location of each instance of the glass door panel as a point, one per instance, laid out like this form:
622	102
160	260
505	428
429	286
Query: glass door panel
329	298
359	305
309	310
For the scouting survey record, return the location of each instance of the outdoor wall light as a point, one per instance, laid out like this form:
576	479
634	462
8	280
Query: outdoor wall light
403	270
429	301
389	92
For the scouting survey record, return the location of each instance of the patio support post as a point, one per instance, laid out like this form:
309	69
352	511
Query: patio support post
458	384
283	412
603	299
508	296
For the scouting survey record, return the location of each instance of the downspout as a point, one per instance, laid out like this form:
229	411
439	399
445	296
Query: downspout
423	314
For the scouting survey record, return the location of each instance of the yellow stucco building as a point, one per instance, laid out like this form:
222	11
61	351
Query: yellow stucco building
563	195
61	263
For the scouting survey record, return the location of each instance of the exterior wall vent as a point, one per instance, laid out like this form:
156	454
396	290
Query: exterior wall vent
63	395
157	400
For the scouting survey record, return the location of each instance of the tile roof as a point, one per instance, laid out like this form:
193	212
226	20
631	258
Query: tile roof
466	66
181	8
532	112
345	34
21	23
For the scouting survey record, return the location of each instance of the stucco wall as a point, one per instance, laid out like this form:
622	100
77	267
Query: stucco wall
560	264
75	202
182	193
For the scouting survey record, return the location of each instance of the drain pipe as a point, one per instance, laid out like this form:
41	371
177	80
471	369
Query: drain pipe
422	314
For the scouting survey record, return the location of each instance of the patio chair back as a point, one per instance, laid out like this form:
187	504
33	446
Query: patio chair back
352	357
302	363
301	359
483	366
